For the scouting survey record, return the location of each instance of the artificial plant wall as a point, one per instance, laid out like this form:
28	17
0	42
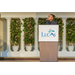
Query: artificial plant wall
70	30
15	31
29	28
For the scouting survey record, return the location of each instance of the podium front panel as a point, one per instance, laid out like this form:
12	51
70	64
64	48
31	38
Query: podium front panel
48	51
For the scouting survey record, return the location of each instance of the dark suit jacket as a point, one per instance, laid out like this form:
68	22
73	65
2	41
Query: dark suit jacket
50	23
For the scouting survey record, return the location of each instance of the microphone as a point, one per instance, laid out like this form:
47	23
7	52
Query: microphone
47	20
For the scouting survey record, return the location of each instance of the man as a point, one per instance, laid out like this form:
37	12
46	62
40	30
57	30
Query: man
51	57
50	20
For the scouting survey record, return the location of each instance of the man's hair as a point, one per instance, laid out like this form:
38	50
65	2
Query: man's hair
52	15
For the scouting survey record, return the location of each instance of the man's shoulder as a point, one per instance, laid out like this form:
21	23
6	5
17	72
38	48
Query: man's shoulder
54	22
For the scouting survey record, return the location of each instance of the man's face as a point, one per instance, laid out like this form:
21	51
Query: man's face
50	17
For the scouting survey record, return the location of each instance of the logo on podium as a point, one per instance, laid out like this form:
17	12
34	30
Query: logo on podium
50	33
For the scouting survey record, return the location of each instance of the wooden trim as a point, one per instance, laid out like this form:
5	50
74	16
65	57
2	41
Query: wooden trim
66	58
31	58
15	58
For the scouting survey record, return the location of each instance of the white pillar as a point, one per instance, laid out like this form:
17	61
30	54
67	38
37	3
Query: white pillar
36	37
64	35
8	33
22	35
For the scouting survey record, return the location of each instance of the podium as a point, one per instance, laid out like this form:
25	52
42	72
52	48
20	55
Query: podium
48	43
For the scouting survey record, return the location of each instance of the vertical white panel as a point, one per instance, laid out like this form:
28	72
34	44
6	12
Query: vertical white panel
64	35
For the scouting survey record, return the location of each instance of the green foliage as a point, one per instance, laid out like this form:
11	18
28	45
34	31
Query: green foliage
41	21
70	30
29	28
59	21
15	30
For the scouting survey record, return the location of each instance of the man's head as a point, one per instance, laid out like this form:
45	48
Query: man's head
50	17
